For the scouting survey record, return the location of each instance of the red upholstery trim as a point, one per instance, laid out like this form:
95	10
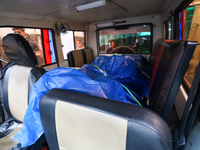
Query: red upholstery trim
157	60
155	51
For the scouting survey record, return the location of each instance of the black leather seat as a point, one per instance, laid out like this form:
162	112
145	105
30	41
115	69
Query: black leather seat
78	58
18	77
169	62
77	121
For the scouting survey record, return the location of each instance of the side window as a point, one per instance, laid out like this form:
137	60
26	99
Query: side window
79	37
185	22
40	40
72	40
125	39
189	29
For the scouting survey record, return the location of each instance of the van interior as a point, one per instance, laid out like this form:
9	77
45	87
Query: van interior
39	36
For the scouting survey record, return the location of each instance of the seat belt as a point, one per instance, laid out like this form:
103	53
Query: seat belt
2	115
193	100
193	112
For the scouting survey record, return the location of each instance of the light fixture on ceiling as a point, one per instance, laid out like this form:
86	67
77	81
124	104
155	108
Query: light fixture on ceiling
105	24
91	5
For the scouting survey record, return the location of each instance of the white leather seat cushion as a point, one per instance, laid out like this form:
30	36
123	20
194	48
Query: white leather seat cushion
7	142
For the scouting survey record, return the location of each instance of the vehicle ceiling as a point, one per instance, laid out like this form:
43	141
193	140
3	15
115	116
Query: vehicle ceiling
65	9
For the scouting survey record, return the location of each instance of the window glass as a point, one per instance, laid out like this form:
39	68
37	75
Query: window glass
43	48
48	46
134	39
189	29
79	39
67	40
72	40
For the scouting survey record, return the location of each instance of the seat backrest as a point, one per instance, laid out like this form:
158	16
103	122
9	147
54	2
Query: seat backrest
78	121
19	75
78	58
169	62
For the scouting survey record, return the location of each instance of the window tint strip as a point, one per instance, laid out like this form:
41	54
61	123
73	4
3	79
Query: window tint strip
46	46
181	26
53	59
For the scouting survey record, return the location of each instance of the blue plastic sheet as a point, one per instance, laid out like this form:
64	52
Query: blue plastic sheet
70	79
130	70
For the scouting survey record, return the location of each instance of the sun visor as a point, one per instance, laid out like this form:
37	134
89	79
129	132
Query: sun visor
18	50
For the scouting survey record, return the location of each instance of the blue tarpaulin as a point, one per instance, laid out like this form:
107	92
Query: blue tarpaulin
130	70
91	80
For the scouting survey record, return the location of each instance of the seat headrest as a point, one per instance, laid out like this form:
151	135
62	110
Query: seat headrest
18	50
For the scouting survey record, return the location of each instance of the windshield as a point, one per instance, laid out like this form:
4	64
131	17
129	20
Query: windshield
135	39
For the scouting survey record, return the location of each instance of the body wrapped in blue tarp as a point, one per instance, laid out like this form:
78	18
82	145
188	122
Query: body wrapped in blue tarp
130	70
94	82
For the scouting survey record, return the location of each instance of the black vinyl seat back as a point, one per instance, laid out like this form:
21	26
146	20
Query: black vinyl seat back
78	121
16	80
18	50
169	62
19	75
77	58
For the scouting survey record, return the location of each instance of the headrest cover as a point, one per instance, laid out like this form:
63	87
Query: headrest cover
18	50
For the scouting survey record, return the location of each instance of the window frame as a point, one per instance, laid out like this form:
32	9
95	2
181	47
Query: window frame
74	40
122	27
84	38
53	37
180	8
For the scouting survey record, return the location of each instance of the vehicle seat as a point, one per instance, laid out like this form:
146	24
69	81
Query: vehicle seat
19	75
169	62
78	58
78	121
